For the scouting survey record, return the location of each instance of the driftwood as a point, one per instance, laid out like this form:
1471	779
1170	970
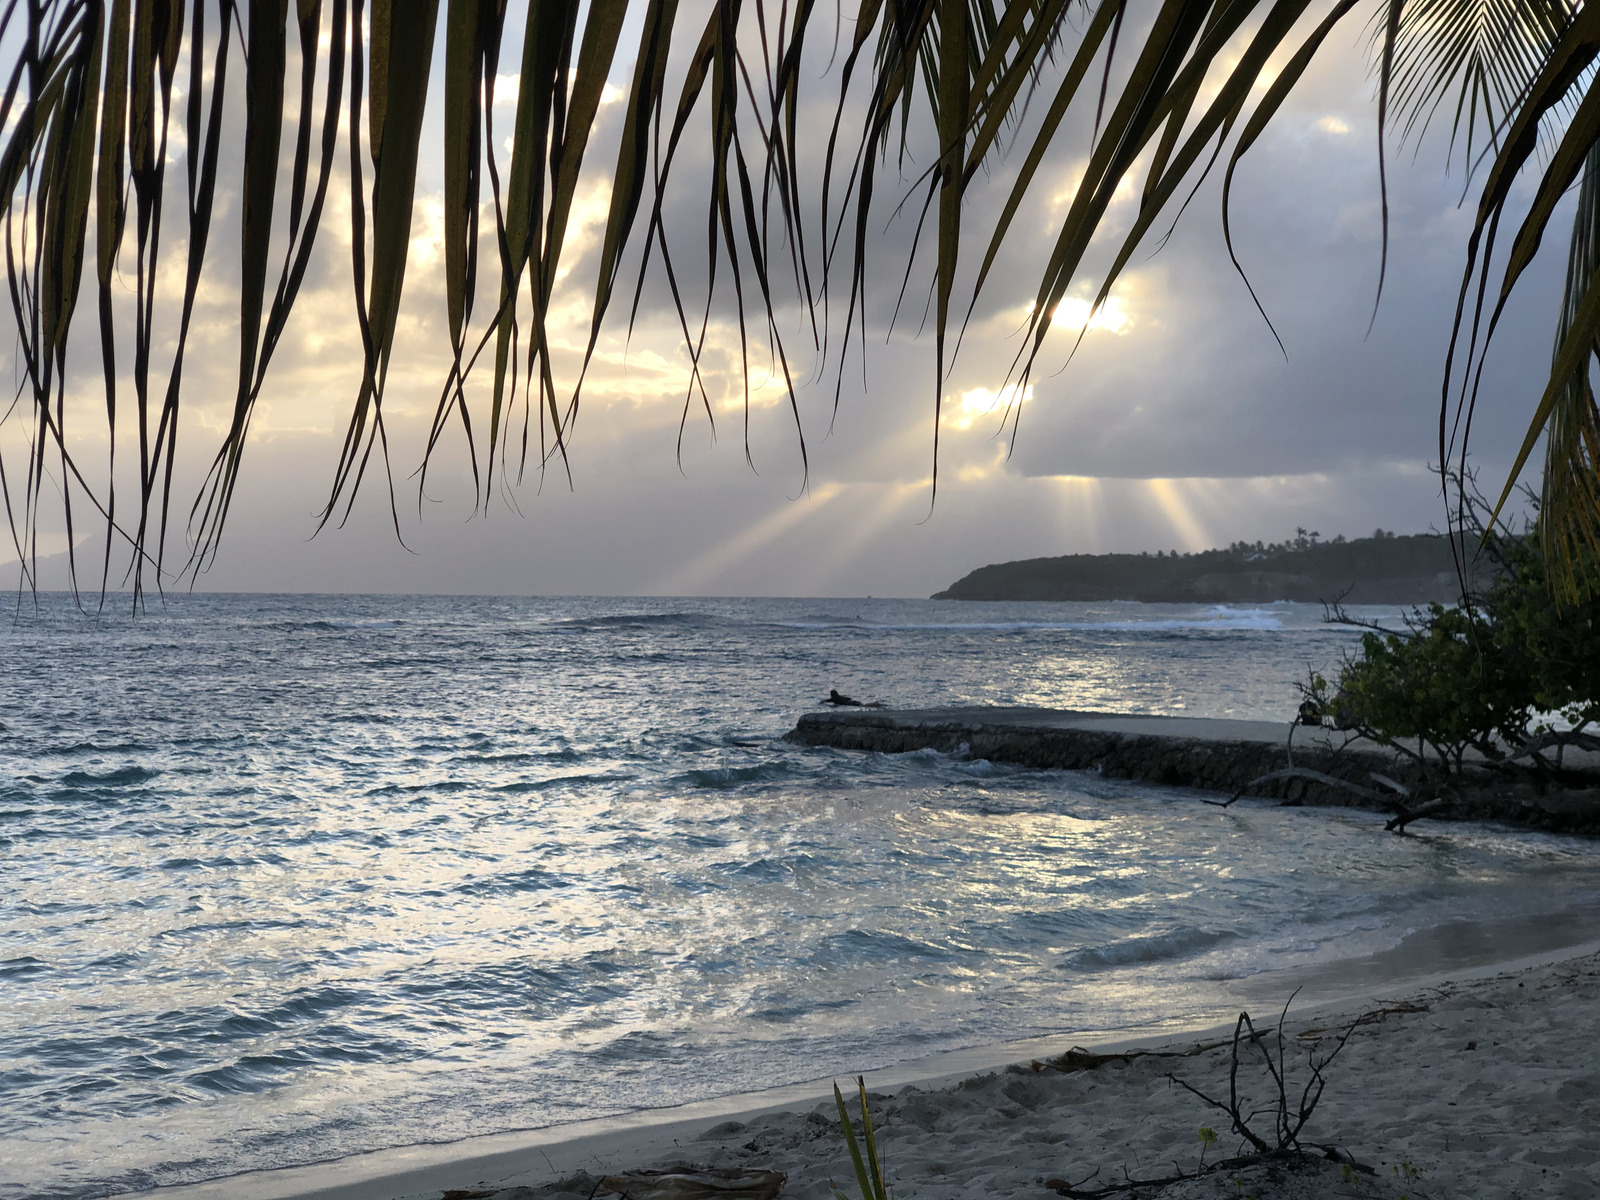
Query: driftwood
687	1182
1367	1018
1404	816
1079	1059
1077	1191
1394	786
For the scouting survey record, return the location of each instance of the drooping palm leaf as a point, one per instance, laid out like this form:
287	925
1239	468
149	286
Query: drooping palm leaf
1569	510
215	498
1561	406
929	85
1483	53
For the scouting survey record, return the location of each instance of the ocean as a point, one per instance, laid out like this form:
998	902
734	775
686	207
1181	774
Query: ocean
293	877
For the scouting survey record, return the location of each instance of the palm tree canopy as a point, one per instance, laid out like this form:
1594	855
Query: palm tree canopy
333	96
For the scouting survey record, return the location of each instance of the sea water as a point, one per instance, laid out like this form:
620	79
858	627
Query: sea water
292	877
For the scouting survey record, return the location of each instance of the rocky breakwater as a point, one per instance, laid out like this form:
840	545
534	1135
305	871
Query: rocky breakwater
1211	754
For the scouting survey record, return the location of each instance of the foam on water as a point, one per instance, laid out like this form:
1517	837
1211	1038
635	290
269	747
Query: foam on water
294	877
1220	618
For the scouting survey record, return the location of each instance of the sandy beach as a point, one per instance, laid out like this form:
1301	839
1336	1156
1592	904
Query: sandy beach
1486	1088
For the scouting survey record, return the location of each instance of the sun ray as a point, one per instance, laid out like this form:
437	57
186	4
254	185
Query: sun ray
693	577
1179	511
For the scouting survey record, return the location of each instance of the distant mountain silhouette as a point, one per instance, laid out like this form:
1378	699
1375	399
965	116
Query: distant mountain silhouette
1383	569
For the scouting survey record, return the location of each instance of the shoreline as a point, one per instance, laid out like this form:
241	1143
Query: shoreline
536	1161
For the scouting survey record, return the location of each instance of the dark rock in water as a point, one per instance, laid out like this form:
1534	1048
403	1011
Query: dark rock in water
839	700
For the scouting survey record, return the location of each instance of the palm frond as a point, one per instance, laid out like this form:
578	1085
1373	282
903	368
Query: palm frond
1570	61
1569	508
95	86
1476	56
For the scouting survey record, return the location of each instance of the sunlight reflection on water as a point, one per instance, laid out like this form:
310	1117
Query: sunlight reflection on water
292	877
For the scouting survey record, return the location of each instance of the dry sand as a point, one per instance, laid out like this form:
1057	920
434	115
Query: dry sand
1487	1089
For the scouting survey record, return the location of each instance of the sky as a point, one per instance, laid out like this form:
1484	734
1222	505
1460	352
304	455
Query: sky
1177	425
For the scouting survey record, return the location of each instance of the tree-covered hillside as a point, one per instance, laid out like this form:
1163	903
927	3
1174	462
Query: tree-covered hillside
1382	569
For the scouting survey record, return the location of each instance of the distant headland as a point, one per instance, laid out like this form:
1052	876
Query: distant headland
1386	568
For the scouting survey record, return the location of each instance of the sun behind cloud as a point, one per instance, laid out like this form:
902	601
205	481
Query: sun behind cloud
1074	312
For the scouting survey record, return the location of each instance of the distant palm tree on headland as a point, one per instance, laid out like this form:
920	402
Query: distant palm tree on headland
90	105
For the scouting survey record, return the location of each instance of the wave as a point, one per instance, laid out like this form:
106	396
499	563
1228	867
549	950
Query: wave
108	747
533	879
337	626
121	777
1219	618
21	968
1177	943
859	946
721	778
639	620
1245	622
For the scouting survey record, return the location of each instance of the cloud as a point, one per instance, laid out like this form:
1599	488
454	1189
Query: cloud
1175	422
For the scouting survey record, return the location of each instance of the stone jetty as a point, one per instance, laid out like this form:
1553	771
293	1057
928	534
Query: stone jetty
1195	752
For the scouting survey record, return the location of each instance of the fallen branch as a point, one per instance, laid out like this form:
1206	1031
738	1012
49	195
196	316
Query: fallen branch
1404	816
1391	784
1288	1123
1299	773
1076	1191
1366	1018
1079	1059
1559	739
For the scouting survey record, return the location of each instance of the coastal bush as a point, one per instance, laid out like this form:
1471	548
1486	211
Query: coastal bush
1556	645
1512	672
1446	683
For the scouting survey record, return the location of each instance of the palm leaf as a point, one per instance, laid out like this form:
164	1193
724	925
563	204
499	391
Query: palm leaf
88	100
1569	510
1479	57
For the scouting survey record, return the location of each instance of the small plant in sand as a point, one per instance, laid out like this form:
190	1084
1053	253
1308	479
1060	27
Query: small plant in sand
1288	1120
1287	1113
869	1169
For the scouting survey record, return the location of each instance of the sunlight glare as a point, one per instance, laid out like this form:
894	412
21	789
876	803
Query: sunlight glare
1072	312
980	403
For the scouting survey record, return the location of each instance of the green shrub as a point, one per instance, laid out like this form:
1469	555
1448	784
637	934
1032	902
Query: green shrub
1490	675
1446	683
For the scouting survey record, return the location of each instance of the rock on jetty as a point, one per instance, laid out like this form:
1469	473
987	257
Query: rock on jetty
1196	752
